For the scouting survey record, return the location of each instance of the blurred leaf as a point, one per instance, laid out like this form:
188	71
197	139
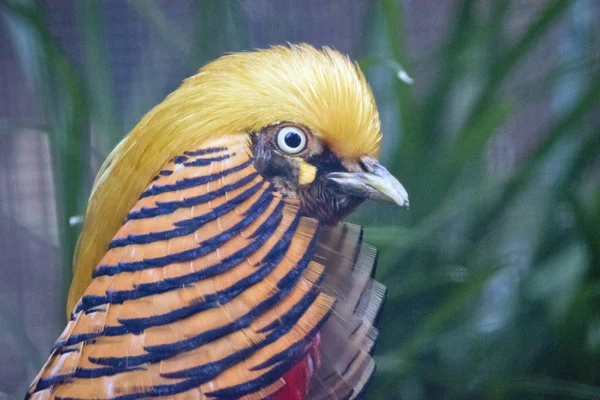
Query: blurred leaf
160	23
453	304
99	80
468	146
425	141
393	23
587	222
220	28
65	102
516	52
558	279
529	167
548	386
451	260
472	141
369	62
13	329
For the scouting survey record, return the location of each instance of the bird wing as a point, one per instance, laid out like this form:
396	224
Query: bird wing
348	336
213	287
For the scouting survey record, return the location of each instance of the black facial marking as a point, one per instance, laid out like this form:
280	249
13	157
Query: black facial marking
273	166
326	162
322	199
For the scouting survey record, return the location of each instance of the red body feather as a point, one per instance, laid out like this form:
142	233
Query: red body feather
297	379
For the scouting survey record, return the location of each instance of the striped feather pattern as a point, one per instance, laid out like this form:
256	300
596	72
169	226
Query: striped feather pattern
213	288
208	290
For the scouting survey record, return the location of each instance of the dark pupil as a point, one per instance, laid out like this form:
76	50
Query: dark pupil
292	139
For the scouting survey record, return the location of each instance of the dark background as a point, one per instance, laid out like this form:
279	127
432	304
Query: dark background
494	271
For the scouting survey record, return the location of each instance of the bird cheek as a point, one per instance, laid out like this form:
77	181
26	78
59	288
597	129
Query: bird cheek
307	173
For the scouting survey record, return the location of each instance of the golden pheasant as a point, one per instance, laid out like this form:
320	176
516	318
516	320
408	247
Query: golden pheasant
213	263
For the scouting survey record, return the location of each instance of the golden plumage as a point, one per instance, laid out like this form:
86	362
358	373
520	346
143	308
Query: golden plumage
219	268
234	95
178	290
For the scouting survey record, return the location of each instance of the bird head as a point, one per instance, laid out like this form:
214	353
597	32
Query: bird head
303	165
309	119
312	124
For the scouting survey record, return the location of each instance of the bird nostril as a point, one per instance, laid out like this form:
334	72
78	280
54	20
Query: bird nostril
368	164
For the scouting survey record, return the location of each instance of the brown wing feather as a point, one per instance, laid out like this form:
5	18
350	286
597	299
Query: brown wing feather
208	290
347	338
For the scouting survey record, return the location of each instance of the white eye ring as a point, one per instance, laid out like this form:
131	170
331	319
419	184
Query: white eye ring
291	140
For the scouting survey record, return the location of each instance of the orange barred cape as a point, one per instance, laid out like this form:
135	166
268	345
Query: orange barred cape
214	288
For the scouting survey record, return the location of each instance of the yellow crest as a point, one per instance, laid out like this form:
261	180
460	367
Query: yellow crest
236	94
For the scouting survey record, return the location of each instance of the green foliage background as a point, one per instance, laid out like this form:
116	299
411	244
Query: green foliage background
493	277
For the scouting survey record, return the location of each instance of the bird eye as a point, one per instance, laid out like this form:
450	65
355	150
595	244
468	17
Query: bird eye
291	140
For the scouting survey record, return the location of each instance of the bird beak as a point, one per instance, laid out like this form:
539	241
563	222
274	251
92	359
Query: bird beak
374	182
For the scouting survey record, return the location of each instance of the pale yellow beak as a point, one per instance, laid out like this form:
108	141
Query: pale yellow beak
375	182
